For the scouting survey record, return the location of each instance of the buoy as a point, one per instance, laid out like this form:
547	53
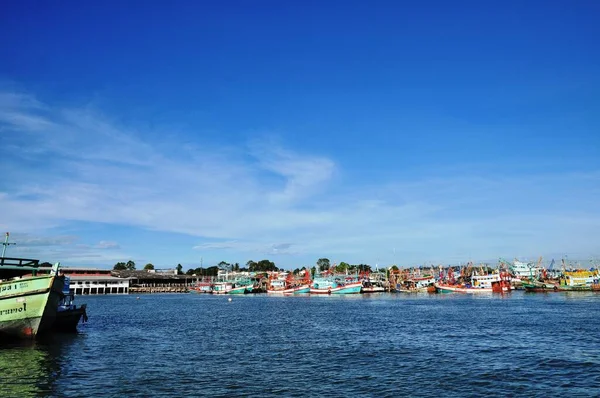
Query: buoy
229	299
137	298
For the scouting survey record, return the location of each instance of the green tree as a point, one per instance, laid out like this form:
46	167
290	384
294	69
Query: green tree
179	269
211	271
342	267
120	266
266	265
251	265
149	266
130	265
190	272
323	264
364	268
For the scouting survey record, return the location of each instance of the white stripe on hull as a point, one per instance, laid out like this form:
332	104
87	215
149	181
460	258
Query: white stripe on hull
470	290
338	290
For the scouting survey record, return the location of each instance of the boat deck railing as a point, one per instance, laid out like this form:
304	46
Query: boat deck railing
18	263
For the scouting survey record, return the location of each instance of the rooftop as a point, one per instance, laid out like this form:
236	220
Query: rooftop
143	274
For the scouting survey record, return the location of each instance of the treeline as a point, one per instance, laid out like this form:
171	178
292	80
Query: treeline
130	266
322	264
251	266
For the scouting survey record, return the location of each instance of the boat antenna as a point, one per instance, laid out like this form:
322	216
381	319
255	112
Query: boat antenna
6	243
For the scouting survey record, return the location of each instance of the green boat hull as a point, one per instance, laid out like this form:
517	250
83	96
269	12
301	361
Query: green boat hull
28	305
241	290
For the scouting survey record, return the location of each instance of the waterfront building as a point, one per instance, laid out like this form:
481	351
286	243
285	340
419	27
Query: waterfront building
95	281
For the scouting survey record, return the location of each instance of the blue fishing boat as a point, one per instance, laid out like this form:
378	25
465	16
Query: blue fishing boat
327	283
68	314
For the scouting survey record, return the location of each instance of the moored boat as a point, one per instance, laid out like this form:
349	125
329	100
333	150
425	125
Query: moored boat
522	271
335	284
375	282
424	284
288	284
221	287
488	283
68	314
240	288
28	301
337	288
568	281
204	286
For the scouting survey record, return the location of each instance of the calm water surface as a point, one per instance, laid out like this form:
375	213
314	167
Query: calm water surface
378	345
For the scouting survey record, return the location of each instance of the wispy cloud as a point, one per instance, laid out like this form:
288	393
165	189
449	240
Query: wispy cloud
61	248
251	198
28	240
104	244
218	246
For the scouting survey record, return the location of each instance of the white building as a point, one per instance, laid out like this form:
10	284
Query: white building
95	281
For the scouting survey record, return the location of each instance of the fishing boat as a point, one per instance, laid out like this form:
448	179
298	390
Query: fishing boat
523	271
231	288
417	285
222	287
580	278
328	283
498	282
204	286
288	284
28	300
241	288
373	282
232	283
68	314
568	281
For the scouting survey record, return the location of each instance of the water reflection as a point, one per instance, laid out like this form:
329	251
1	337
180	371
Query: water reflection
32	368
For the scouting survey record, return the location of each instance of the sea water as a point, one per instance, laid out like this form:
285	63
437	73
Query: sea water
179	345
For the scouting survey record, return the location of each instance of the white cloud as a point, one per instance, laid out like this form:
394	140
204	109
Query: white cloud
251	198
105	244
29	240
218	246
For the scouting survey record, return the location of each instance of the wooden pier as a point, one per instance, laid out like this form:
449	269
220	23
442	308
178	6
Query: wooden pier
158	289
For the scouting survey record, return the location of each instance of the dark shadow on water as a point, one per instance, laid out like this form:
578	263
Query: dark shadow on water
32	367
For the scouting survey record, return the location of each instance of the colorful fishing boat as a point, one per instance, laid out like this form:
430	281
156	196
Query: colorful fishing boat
373	282
335	284
222	287
569	281
28	301
241	288
232	288
232	283
489	283
417	285
522	271
203	286
288	284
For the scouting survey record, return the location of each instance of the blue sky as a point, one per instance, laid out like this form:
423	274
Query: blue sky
366	132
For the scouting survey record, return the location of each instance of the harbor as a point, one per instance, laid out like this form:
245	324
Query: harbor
386	331
368	344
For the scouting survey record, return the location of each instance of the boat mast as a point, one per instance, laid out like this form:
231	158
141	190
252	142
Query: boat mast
6	243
